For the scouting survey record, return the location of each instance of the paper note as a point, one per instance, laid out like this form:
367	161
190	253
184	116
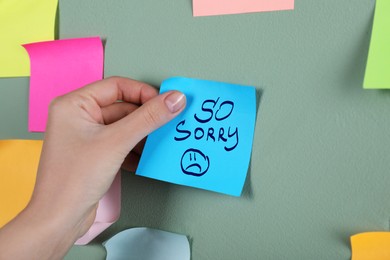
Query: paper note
378	63
19	161
147	244
23	22
108	212
209	144
58	67
18	169
371	245
219	7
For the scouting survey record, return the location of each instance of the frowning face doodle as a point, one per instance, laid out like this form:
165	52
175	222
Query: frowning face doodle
193	161
208	145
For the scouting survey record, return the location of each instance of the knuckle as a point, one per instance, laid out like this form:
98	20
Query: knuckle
56	103
151	116
61	103
112	78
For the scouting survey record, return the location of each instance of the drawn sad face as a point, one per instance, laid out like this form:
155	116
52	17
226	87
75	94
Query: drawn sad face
194	162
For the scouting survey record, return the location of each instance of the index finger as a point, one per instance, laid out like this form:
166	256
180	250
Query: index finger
110	90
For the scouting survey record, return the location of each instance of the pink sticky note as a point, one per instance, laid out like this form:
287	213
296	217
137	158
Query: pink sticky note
58	67
107	213
219	7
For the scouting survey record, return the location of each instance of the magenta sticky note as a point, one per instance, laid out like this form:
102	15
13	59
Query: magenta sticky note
59	67
220	7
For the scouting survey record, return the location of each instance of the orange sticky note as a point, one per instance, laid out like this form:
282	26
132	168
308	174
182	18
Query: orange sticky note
19	160
18	168
371	245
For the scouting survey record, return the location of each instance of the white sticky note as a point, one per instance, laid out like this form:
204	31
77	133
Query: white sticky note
147	244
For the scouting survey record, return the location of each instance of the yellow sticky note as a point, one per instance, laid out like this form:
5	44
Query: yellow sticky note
19	161
21	22
371	245
378	62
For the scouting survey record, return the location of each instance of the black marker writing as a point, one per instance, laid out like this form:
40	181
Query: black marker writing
230	136
186	132
193	161
224	104
224	110
211	109
207	110
234	134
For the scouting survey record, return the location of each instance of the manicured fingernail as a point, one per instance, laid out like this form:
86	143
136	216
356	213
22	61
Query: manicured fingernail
175	101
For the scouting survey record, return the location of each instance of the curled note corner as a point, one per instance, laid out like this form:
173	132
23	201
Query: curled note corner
371	245
147	244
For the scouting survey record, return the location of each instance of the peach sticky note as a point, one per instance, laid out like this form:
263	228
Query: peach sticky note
23	22
18	167
58	67
371	245
219	7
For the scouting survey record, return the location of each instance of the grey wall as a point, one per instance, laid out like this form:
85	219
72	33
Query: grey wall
319	170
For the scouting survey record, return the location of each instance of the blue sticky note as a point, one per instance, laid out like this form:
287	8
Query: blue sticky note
209	144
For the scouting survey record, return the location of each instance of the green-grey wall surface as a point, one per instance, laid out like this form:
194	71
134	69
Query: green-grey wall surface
319	166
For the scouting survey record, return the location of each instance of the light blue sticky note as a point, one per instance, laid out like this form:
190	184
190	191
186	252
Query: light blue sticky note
209	144
147	244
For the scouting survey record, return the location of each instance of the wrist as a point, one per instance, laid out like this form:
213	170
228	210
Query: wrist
38	234
51	234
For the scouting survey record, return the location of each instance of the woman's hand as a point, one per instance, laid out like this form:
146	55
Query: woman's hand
89	136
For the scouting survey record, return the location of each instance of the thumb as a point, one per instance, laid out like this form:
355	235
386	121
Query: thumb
149	116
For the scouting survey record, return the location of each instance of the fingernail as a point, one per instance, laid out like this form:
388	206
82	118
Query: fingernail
175	101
